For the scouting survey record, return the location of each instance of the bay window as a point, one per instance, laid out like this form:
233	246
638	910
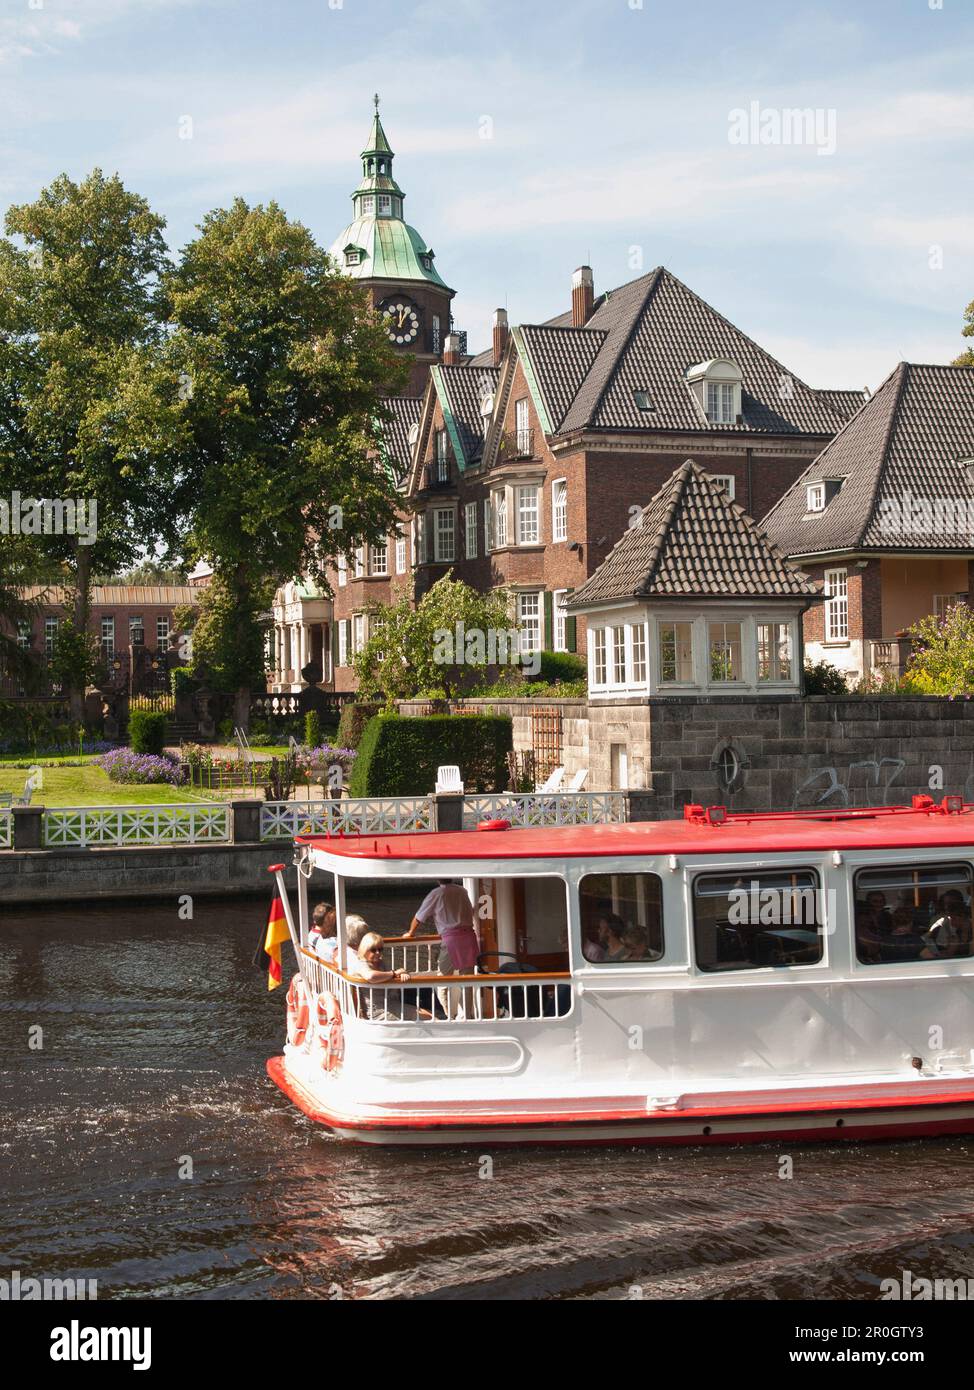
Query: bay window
774	652
470	530
725	652
559	510
527	514
676	653
444	537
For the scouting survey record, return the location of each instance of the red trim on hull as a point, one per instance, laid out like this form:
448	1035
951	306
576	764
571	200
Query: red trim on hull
391	1130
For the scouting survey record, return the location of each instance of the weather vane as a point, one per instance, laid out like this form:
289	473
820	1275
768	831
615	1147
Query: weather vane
376	100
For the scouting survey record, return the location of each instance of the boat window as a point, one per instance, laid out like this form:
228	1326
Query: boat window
622	918
753	919
915	913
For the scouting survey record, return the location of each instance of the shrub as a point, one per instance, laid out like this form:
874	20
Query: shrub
558	667
942	662
147	731
351	725
313	737
181	679
399	757
822	678
125	765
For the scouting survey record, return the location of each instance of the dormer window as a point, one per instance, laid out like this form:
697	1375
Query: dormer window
716	386
642	400
819	495
353	257
413	434
486	411
426	260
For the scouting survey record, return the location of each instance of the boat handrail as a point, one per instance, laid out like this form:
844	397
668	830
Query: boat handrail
533	976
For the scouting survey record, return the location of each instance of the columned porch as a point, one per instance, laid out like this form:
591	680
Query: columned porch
301	634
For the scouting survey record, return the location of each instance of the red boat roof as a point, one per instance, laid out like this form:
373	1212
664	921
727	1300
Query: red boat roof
883	827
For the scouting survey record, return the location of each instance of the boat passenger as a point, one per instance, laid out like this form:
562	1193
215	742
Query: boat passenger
382	1005
950	933
874	924
904	942
636	940
612	932
323	936
355	928
449	911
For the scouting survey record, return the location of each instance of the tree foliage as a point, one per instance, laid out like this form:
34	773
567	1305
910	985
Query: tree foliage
942	661
80	308
408	650
966	359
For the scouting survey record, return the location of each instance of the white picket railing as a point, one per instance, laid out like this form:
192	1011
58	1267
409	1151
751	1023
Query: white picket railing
6	830
545	808
96	826
450	999
282	820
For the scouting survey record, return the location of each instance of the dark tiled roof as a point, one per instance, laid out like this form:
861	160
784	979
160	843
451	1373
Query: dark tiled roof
844	404
465	389
561	359
404	412
691	541
655	329
906	445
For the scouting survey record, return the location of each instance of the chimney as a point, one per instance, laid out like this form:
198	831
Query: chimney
501	331
583	296
451	350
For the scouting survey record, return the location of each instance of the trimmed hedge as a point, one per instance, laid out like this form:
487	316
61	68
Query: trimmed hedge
399	756
354	718
147	731
557	667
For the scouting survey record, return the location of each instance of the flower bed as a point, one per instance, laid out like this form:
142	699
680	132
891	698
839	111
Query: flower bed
122	765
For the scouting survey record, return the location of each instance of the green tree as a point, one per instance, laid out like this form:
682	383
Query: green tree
279	367
19	572
80	307
75	658
942	660
438	649
226	639
966	358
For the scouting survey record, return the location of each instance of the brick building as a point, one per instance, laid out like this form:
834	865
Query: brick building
522	465
884	518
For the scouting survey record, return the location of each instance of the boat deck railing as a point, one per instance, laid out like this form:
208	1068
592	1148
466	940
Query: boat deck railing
443	1000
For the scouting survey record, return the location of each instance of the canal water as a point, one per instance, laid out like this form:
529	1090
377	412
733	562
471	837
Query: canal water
155	1035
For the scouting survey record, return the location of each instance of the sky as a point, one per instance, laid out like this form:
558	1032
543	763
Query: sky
531	138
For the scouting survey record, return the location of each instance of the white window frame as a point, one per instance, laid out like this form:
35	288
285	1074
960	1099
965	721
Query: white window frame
359	637
719	402
383	206
778	627
677	678
402	555
343	642
470	530
618	659
419	543
522	425
600	658
107	637
942	603
836	605
368	205
528	513
441	458
498	502
379	560
815	497
559	510
533	621
725	623
444	553
341	565
163	633
559	620
359	569
639	650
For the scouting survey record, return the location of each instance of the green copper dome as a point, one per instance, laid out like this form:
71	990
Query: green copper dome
378	244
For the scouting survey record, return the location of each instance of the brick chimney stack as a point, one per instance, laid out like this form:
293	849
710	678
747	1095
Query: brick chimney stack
451	350
501	332
583	296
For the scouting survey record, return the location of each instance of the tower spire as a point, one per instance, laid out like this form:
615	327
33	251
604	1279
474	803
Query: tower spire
378	194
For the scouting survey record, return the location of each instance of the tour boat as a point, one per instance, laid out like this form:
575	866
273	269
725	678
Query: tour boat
725	978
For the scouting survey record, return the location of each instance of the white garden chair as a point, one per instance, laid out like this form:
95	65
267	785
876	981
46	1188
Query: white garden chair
553	784
448	779
578	781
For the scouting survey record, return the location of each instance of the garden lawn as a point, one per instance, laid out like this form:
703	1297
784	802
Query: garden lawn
90	786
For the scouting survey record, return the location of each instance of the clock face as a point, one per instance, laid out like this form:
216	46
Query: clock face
401	318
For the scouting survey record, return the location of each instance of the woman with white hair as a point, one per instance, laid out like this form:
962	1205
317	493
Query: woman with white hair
382	1005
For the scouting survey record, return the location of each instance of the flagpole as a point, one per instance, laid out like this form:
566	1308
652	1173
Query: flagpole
278	871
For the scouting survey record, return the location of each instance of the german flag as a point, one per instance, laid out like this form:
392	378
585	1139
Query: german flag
274	936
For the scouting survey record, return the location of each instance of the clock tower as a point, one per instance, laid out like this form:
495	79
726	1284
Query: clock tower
395	263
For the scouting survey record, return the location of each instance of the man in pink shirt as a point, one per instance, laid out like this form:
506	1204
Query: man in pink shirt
449	912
